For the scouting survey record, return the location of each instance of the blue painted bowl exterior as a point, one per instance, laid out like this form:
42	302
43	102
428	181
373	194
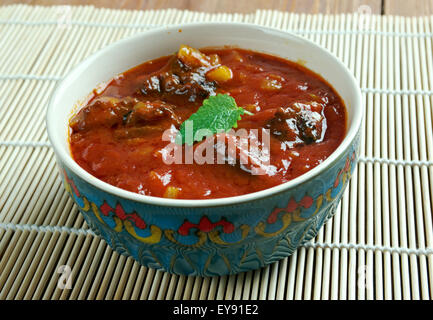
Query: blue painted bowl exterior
220	240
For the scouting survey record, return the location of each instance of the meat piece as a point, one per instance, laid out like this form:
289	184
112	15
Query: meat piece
246	152
170	83
193	84
299	123
146	118
137	132
180	82
145	112
102	112
189	74
151	86
129	117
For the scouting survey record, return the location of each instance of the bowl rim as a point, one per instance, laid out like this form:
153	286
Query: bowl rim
69	162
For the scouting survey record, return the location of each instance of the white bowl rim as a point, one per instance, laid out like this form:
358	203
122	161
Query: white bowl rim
70	163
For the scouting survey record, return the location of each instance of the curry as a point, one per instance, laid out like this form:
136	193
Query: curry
118	135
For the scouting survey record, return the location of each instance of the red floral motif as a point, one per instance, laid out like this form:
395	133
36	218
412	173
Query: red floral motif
71	183
205	225
120	213
305	202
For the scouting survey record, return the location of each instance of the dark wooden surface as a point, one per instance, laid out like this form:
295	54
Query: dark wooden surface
392	7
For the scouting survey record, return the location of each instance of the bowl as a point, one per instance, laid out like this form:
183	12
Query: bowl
218	236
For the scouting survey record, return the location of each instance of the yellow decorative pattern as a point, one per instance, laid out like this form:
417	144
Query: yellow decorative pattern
214	236
319	202
260	228
296	216
119	224
86	205
226	260
328	195
202	237
208	261
96	213
67	186
155	233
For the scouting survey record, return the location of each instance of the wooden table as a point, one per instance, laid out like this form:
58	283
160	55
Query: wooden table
391	7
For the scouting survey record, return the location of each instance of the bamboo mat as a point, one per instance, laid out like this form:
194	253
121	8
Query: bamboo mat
379	245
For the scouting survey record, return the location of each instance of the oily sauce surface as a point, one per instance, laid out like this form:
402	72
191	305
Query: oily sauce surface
117	136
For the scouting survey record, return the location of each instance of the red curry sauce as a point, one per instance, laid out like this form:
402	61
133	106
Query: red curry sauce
116	137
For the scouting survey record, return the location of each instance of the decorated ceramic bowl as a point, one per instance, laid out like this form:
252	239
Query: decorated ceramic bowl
218	236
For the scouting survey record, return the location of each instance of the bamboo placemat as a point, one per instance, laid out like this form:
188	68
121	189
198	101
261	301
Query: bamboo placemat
379	245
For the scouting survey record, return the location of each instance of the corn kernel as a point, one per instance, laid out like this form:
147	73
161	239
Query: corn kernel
192	57
220	74
171	192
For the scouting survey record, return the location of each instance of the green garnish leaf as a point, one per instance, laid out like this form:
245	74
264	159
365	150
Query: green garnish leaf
218	114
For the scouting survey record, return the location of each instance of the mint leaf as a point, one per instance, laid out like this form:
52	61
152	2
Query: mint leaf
217	114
